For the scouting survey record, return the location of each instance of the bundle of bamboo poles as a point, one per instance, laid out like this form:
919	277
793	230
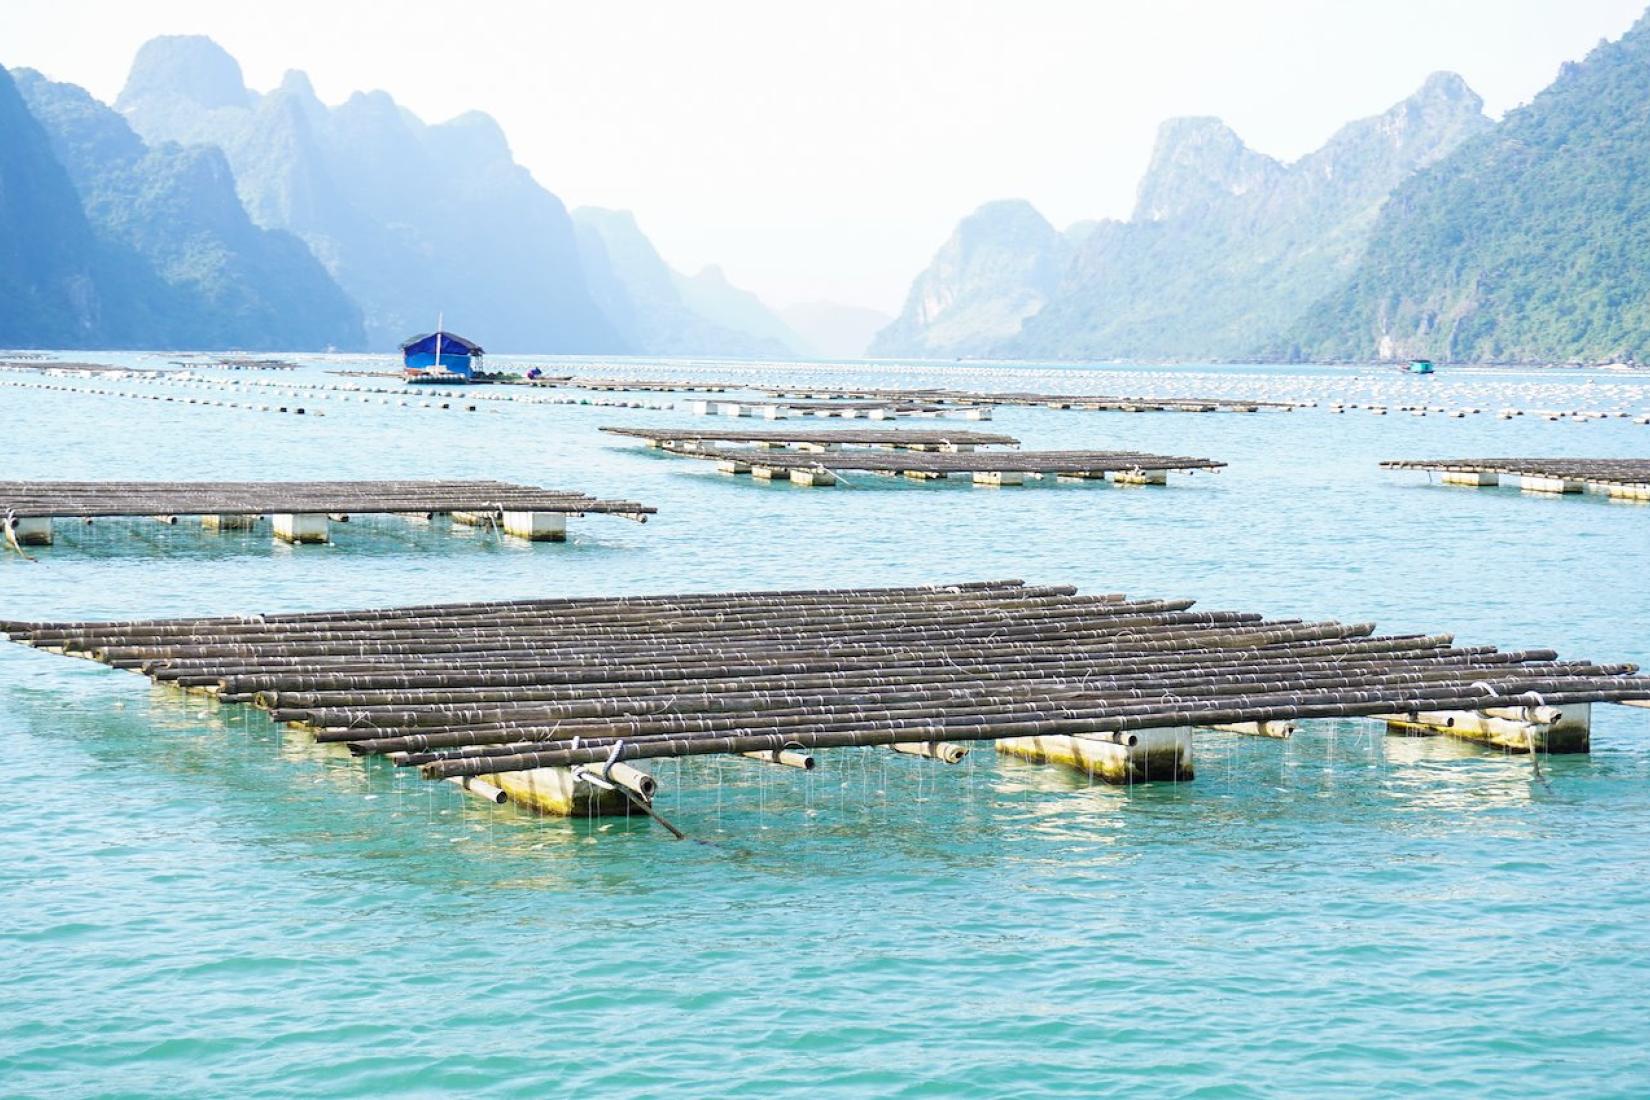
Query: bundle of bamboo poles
1091	402
1620	471
961	462
636	385
90	499
893	437
484	689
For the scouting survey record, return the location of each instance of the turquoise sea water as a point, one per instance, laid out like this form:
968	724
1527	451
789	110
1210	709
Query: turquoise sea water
196	903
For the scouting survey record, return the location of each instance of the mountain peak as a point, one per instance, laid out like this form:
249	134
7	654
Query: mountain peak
296	82
1007	215
1197	161
190	66
474	134
712	274
999	266
1444	85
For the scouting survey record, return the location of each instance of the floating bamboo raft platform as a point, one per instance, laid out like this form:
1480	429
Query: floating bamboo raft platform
828	439
991	468
550	702
1089	402
638	385
300	509
847	410
1622	478
97	370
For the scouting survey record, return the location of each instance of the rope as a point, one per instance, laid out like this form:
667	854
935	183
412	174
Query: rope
10	523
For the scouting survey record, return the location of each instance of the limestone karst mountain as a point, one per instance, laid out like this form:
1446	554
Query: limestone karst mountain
411	219
1226	251
195	271
1526	244
666	312
50	265
1001	266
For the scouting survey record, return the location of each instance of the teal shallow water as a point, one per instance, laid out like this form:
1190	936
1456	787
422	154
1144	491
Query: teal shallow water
195	902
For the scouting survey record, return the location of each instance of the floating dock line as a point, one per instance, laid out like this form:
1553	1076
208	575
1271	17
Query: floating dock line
847	410
301	509
99	370
534	697
636	385
822	439
1089	402
1621	478
990	468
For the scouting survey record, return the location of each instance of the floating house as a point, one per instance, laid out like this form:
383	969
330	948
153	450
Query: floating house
440	356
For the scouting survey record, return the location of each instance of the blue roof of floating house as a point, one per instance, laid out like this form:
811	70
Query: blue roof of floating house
450	342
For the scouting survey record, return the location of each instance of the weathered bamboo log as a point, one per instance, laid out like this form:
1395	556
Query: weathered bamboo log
168	500
943	751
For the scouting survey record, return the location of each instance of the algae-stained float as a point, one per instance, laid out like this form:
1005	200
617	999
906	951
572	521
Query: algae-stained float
557	703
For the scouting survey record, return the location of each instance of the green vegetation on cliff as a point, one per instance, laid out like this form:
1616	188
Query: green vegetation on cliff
193	271
1527	244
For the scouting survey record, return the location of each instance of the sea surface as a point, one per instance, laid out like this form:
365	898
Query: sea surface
194	902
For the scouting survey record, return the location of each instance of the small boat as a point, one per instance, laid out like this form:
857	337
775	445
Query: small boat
440	356
1418	366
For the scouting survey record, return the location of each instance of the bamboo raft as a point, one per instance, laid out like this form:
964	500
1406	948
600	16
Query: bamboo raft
51	366
848	410
1087	402
1621	478
300	509
638	385
538	700
826	439
990	468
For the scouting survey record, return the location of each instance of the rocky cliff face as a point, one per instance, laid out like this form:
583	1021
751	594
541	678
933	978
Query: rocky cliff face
49	262
1229	249
711	296
195	271
1000	266
1525	244
670	313
411	219
1199	164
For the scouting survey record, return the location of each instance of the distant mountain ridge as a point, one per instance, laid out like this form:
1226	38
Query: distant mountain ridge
117	244
1226	250
222	281
412	220
417	220
833	330
669	313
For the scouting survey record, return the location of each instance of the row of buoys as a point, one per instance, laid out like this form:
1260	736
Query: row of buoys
252	406
99	392
1580	416
320	390
1457	396
1375	386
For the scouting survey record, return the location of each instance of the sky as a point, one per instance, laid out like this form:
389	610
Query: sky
824	151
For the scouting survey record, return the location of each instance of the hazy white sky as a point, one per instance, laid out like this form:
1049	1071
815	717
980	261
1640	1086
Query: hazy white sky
824	150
